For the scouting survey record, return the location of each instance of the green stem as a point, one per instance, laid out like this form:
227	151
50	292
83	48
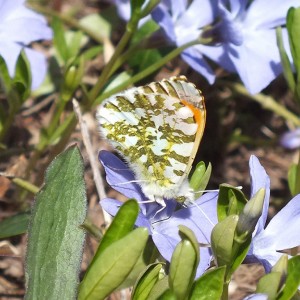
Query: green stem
269	103
130	28
145	72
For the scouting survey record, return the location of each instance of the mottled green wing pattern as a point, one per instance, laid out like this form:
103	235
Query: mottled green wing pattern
157	128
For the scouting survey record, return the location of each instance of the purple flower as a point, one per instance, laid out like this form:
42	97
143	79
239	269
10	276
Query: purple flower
182	23
291	139
20	26
282	231
248	39
163	226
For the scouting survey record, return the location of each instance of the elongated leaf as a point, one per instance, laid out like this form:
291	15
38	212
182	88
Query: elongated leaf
55	239
121	225
59	39
14	225
146	282
113	265
159	288
182	269
293	279
209	286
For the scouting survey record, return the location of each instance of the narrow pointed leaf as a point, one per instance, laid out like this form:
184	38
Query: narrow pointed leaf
55	240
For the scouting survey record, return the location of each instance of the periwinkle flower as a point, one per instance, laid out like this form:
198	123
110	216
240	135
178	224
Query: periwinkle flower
247	35
20	26
282	231
291	139
163	226
183	22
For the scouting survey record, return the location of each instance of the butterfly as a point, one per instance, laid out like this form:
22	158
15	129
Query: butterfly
157	129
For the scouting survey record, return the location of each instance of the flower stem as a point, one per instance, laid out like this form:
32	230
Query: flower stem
269	103
146	72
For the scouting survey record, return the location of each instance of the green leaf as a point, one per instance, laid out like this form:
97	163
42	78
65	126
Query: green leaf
285	62
231	201
268	284
59	39
55	240
4	74
293	279
293	27
14	225
146	282
149	256
209	286
168	295
292	173
159	288
113	265
222	238
93	22
183	266
121	225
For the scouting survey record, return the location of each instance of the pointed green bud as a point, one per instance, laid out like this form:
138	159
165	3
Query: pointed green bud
200	178
250	214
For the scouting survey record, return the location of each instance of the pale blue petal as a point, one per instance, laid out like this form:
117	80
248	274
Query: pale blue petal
257	60
120	177
257	297
284	226
291	139
164	19
10	52
194	58
259	179
261	15
38	67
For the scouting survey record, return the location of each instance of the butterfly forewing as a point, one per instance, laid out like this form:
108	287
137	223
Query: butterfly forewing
157	129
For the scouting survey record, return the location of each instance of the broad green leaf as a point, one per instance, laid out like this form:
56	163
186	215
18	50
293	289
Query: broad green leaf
200	178
113	265
121	225
55	240
4	74
159	288
293	279
14	225
231	201
148	256
209	286
269	284
182	268
146	282
222	238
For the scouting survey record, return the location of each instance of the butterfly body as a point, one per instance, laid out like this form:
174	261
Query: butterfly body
157	128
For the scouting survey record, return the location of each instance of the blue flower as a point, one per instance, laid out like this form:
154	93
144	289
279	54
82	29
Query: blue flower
163	226
282	231
182	23
248	39
20	26
291	139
